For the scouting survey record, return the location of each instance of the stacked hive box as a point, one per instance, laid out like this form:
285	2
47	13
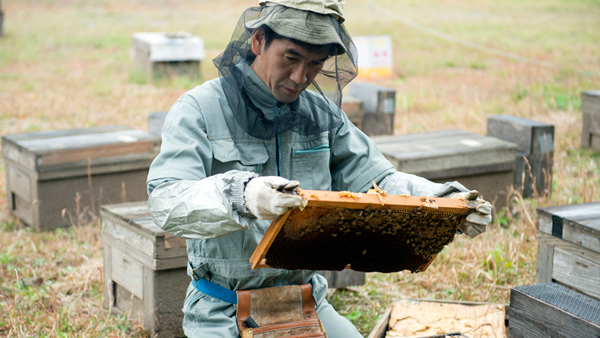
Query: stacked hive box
163	55
145	269
479	162
535	152
590	106
569	247
53	175
551	310
353	107
379	105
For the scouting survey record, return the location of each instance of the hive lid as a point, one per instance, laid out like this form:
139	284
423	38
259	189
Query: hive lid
365	232
575	223
437	153
131	225
63	153
180	46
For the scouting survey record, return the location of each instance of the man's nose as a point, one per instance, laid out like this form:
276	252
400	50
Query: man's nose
298	75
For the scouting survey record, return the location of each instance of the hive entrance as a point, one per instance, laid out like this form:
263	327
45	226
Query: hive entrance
367	232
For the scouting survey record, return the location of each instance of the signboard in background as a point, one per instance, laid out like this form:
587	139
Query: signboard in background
374	56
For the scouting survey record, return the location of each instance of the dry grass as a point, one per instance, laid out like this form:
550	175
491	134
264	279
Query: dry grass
65	65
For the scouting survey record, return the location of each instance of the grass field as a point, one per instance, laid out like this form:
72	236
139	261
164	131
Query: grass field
65	64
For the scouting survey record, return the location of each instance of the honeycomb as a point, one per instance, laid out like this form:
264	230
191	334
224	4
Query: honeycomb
371	239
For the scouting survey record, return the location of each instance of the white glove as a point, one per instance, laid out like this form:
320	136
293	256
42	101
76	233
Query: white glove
268	197
476	222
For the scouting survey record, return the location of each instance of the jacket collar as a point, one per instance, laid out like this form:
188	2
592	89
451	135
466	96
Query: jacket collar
260	94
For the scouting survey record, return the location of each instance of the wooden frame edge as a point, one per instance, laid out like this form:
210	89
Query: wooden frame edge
265	243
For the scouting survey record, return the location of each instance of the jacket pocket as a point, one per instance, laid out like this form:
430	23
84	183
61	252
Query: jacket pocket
310	166
227	155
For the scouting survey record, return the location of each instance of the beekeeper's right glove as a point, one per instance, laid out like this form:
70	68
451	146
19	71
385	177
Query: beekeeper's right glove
268	197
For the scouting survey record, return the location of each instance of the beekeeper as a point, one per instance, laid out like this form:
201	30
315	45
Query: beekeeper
234	147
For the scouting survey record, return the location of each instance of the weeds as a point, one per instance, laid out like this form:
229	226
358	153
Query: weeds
64	65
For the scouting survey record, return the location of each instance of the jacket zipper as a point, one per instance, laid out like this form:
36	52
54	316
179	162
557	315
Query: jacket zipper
278	146
278	167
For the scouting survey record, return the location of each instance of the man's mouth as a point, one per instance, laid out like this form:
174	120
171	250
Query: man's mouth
291	91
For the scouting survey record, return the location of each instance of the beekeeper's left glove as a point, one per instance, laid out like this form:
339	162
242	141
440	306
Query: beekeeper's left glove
478	220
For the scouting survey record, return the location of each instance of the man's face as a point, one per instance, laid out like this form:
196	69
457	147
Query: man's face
286	68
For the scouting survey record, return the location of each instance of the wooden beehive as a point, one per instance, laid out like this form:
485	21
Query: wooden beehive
364	232
551	310
145	269
379	106
45	171
353	107
479	162
535	152
159	55
569	247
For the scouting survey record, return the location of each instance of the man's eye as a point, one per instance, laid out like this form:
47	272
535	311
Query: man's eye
290	58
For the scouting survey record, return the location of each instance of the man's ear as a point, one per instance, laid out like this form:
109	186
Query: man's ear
258	41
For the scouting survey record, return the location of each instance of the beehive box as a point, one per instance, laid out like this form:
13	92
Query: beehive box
569	247
551	310
379	106
353	107
535	152
432	318
159	55
590	106
45	171
479	162
145	269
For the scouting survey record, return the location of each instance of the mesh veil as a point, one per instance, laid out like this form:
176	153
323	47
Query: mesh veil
323	114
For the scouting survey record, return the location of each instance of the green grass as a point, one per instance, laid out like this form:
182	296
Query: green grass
66	65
